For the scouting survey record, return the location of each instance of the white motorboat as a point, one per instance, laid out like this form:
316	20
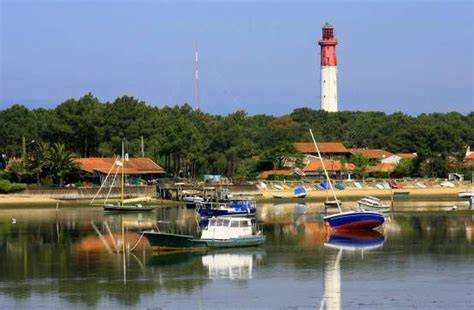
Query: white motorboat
220	232
370	203
466	194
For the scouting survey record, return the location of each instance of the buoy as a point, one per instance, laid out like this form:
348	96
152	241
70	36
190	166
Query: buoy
455	208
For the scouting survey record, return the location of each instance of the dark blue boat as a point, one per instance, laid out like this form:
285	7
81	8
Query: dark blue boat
355	220
232	208
300	192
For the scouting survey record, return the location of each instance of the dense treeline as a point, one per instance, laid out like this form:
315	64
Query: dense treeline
190	142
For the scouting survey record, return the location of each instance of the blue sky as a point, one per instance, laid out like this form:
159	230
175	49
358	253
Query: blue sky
260	56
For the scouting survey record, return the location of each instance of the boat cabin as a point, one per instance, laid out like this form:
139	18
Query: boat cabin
227	228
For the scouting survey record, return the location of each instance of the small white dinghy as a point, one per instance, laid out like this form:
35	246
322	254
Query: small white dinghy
370	203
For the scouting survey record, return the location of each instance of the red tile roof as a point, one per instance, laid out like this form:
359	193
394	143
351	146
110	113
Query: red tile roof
407	155
371	153
268	173
331	165
470	156
324	147
132	166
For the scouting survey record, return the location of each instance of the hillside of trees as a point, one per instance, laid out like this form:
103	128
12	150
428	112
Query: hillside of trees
190	142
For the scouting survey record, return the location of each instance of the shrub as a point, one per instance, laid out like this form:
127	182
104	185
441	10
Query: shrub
7	187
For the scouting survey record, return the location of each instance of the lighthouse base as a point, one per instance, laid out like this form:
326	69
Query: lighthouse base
329	88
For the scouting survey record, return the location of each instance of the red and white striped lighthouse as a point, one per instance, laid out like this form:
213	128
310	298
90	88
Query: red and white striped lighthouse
328	70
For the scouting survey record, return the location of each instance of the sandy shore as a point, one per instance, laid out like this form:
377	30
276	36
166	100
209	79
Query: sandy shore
355	192
17	199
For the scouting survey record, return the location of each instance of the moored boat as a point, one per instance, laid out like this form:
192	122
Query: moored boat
127	208
220	232
234	207
466	194
370	203
130	205
352	220
355	220
300	192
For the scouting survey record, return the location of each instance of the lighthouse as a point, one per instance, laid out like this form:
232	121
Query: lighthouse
328	69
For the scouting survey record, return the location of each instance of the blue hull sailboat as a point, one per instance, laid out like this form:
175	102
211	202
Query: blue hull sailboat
351	220
355	220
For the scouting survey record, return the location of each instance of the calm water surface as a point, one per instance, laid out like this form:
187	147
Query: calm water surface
52	259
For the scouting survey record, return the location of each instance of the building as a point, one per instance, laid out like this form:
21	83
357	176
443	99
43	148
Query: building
279	174
469	158
328	70
372	154
135	169
329	150
335	168
395	158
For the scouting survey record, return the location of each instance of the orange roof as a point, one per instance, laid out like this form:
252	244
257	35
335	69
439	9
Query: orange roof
324	147
407	155
371	153
331	165
470	157
132	166
268	173
381	167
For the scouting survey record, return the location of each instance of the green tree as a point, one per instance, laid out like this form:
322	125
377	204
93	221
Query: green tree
282	153
361	164
62	162
40	162
405	168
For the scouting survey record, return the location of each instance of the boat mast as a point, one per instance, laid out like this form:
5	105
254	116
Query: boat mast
123	164
325	171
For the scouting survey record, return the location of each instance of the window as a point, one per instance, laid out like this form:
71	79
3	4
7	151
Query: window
244	224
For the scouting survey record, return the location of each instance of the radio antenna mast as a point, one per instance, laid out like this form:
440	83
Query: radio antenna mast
196	78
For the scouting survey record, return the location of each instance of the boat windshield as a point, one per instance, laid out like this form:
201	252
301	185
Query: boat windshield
220	223
244	224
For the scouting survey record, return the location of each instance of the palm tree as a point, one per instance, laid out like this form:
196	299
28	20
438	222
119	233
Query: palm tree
62	162
40	162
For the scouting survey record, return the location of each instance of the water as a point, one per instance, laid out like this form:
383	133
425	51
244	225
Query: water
52	259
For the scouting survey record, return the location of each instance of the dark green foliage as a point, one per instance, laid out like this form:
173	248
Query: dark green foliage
8	187
189	142
361	164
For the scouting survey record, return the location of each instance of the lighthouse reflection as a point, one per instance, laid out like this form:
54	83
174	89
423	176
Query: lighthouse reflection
344	241
232	265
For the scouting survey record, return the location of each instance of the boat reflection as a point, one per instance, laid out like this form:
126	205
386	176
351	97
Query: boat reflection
349	241
354	240
232	265
222	264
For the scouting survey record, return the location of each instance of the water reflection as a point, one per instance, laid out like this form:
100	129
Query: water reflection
344	241
355	240
53	255
232	265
